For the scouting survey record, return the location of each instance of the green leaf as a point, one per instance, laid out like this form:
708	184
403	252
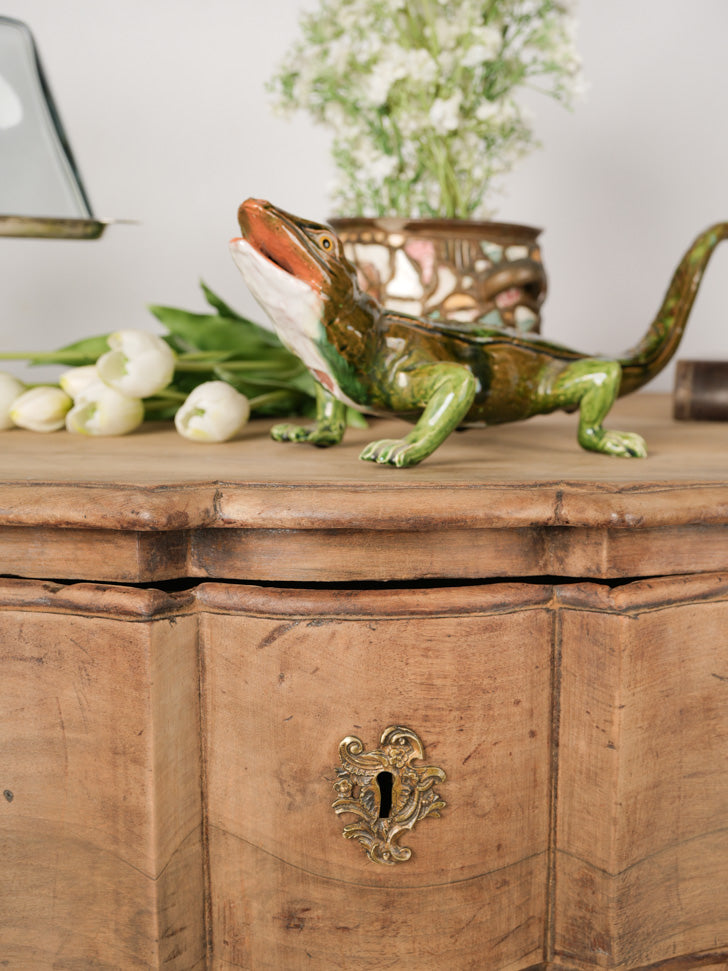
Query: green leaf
209	332
188	382
86	351
159	412
355	419
218	303
265	334
304	382
177	344
282	403
93	346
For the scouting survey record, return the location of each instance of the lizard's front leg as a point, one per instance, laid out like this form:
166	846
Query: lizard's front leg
328	428
446	392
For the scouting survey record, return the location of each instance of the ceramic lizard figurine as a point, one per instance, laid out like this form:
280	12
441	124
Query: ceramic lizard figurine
441	375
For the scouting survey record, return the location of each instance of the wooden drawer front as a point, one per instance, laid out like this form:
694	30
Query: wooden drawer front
466	671
642	861
99	786
140	829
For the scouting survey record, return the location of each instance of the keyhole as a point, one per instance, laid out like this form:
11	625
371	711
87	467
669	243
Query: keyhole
384	781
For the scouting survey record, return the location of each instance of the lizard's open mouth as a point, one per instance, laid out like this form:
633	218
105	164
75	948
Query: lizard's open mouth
278	240
276	258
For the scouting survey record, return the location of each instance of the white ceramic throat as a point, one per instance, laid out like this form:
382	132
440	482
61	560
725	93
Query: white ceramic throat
294	308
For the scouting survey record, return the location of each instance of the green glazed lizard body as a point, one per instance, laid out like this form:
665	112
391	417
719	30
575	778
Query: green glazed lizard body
440	375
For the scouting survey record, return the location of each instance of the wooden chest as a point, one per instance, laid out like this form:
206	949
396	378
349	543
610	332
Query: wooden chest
511	661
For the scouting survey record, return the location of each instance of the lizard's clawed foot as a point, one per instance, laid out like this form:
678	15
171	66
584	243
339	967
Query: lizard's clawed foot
321	435
392	451
625	444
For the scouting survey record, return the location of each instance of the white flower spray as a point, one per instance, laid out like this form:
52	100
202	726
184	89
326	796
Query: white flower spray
210	372
420	95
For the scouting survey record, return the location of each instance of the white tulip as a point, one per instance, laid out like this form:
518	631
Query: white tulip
75	381
10	390
41	409
101	410
213	412
138	364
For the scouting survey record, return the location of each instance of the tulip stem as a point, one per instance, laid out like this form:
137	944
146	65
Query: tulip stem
200	366
195	363
164	399
269	398
46	357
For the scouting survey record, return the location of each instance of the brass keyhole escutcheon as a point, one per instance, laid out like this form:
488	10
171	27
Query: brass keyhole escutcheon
386	792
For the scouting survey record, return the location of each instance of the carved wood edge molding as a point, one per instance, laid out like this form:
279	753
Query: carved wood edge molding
331	603
129	603
317	506
251	600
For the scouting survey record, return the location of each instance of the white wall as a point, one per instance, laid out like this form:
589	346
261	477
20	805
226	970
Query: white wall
164	103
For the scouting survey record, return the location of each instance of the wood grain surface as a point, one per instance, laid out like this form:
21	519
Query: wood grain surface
583	731
100	826
642	838
515	500
305	683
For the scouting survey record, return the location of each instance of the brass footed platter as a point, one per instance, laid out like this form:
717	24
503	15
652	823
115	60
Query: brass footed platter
51	227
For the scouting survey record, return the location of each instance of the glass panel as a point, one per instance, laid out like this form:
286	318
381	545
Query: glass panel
37	173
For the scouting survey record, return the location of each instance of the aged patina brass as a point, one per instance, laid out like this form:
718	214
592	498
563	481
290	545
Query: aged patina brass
47	227
386	791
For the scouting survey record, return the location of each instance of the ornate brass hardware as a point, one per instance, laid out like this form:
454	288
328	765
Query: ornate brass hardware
386	792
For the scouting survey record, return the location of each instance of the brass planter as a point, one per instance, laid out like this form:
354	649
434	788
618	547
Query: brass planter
487	272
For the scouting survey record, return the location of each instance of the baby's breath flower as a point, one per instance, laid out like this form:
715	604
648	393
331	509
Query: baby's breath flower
445	114
421	95
482	49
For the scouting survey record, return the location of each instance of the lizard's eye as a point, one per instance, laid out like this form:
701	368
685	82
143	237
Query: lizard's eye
326	242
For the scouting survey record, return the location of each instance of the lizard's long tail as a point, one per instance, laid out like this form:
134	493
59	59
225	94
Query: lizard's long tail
649	357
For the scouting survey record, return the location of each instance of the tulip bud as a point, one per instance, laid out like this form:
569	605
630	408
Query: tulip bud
138	364
41	409
75	381
213	412
100	410
10	390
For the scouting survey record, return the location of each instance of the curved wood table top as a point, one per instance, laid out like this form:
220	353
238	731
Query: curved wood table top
528	482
